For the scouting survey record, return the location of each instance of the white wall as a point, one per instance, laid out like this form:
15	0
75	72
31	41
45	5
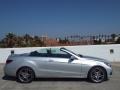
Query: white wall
102	51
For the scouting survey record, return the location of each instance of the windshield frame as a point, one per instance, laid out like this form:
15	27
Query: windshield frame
70	52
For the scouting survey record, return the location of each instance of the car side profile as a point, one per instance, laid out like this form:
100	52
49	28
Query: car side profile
56	62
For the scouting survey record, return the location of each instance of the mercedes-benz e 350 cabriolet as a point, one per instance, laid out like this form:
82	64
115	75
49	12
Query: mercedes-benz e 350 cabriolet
56	62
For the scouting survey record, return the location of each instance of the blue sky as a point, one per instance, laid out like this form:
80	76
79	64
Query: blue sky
58	18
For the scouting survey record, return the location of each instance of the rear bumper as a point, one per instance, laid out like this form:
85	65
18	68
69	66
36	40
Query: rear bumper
9	71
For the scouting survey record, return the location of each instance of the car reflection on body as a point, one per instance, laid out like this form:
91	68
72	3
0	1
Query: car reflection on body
56	62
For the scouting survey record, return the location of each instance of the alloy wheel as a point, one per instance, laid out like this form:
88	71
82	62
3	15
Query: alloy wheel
97	74
25	75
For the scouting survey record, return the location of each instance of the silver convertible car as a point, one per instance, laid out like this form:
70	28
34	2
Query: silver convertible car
56	62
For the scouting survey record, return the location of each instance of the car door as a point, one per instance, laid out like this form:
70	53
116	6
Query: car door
58	65
55	63
61	67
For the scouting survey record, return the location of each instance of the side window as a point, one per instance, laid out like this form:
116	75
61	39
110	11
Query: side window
50	52
40	53
59	54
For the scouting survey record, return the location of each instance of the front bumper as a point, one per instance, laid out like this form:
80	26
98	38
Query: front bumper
109	73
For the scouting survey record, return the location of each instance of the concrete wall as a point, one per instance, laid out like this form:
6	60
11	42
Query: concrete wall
110	52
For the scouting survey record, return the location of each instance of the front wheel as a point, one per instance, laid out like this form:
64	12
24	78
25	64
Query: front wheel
25	75
97	74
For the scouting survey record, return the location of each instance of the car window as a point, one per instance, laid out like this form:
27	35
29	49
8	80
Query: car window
42	50
40	53
50	52
59	54
57	51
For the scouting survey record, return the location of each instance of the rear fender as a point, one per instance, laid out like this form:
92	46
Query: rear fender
30	64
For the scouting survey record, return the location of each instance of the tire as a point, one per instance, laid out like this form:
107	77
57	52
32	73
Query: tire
25	75
97	74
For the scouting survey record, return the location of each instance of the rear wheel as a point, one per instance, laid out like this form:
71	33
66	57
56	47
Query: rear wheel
25	75
97	74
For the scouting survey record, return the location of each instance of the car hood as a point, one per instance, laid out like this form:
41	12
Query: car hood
95	59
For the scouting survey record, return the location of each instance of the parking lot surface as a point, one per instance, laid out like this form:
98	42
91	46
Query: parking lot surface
62	84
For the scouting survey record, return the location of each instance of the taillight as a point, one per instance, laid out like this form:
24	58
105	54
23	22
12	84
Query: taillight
8	61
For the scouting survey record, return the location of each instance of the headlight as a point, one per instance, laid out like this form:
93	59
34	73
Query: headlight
108	64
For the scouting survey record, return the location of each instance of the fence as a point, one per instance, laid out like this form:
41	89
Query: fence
110	52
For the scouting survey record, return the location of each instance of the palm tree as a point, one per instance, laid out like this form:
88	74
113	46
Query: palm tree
10	40
27	40
113	36
37	41
105	37
99	37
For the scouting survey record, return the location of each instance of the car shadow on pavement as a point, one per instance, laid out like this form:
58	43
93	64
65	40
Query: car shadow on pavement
9	78
49	79
61	79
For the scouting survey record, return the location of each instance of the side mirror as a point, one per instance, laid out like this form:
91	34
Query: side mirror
71	59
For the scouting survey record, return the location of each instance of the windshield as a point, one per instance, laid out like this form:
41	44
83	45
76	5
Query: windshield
72	52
